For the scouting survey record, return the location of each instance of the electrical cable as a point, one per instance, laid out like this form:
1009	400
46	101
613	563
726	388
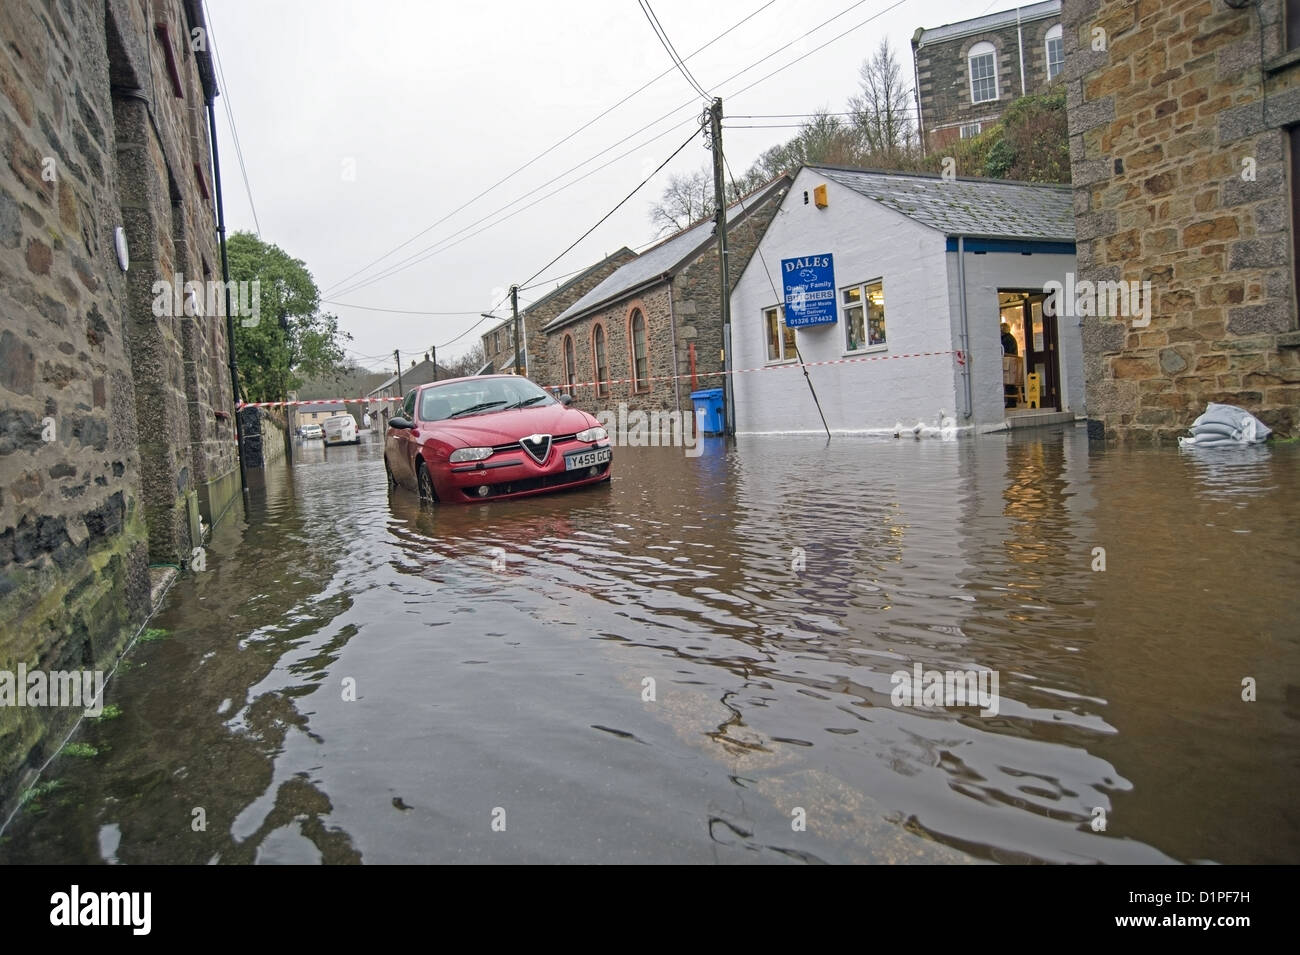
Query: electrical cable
662	35
230	116
551	148
416	256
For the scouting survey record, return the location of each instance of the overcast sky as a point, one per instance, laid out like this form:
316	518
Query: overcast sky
366	122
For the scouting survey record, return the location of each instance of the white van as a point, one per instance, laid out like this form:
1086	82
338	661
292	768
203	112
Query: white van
341	429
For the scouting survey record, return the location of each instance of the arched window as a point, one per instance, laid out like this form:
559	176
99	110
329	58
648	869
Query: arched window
599	360
1055	52
983	59
570	365
640	352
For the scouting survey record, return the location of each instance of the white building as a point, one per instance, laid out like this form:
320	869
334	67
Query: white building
867	268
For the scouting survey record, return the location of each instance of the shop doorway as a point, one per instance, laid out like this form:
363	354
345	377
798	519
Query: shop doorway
1034	339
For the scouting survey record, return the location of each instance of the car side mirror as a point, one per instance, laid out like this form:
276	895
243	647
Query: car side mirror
401	423
566	400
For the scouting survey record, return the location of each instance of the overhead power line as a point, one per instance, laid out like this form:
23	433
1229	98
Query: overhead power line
230	117
662	35
686	142
402	311
591	122
822	46
431	250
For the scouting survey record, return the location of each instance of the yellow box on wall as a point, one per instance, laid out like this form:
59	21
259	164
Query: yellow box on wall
819	196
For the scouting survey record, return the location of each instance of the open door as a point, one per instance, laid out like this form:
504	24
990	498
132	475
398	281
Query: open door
1037	342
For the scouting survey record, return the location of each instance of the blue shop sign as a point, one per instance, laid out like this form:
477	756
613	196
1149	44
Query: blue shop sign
809	291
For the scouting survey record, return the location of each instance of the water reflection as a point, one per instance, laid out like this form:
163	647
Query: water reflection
668	667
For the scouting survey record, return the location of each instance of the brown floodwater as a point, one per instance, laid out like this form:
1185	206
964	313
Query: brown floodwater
359	678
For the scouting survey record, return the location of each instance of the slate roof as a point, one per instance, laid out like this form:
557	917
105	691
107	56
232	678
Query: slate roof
508	321
664	258
984	24
984	208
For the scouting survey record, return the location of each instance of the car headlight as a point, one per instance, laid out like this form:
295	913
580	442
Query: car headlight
592	434
469	454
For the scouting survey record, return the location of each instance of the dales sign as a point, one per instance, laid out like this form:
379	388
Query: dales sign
809	291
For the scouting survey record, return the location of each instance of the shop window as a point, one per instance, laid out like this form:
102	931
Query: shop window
983	59
780	337
864	316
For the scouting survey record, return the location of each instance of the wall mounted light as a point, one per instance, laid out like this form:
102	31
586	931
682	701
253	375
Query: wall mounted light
119	243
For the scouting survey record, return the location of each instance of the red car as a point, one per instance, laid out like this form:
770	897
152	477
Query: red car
492	436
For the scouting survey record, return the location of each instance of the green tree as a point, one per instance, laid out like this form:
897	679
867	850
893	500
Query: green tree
292	340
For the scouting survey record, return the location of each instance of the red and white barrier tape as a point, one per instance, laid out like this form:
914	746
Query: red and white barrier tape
961	360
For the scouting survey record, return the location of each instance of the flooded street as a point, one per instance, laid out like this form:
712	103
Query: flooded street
685	664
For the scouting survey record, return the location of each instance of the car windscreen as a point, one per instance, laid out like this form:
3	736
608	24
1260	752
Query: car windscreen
480	396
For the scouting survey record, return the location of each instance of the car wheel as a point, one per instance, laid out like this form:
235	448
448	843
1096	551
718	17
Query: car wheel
425	483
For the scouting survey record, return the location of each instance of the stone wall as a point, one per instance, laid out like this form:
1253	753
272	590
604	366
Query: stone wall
1180	174
690	298
545	309
943	76
111	427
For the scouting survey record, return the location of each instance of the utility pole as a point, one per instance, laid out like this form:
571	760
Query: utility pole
398	356
434	349
514	307
724	281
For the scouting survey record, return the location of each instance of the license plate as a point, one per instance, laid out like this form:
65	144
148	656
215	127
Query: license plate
586	459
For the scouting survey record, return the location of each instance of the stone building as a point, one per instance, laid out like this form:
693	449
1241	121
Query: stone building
116	413
1184	138
968	73
499	341
652	331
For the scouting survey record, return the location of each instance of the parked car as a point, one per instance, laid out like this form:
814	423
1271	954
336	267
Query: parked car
489	437
341	429
310	431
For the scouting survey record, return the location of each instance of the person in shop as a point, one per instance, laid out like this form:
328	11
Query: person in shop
1009	345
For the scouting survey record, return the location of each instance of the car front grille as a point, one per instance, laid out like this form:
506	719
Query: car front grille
516	446
535	483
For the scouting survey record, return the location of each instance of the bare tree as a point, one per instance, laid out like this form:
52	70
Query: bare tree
686	200
882	110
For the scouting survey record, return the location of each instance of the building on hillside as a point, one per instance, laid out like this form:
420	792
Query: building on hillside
967	73
1185	149
117	429
316	412
396	387
651	332
910	295
500	354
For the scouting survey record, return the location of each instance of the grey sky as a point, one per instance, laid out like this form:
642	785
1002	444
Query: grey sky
364	122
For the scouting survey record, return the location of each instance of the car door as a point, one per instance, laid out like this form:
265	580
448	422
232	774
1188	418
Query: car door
399	446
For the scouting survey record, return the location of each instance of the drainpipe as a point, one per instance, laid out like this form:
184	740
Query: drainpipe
916	91
672	323
1020	46
225	278
965	324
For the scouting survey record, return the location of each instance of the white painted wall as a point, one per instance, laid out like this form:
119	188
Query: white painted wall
922	314
868	242
985	274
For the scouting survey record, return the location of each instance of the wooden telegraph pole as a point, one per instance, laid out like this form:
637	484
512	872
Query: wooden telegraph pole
724	280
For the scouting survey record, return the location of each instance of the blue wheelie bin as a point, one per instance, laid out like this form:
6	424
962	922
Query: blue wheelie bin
708	411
